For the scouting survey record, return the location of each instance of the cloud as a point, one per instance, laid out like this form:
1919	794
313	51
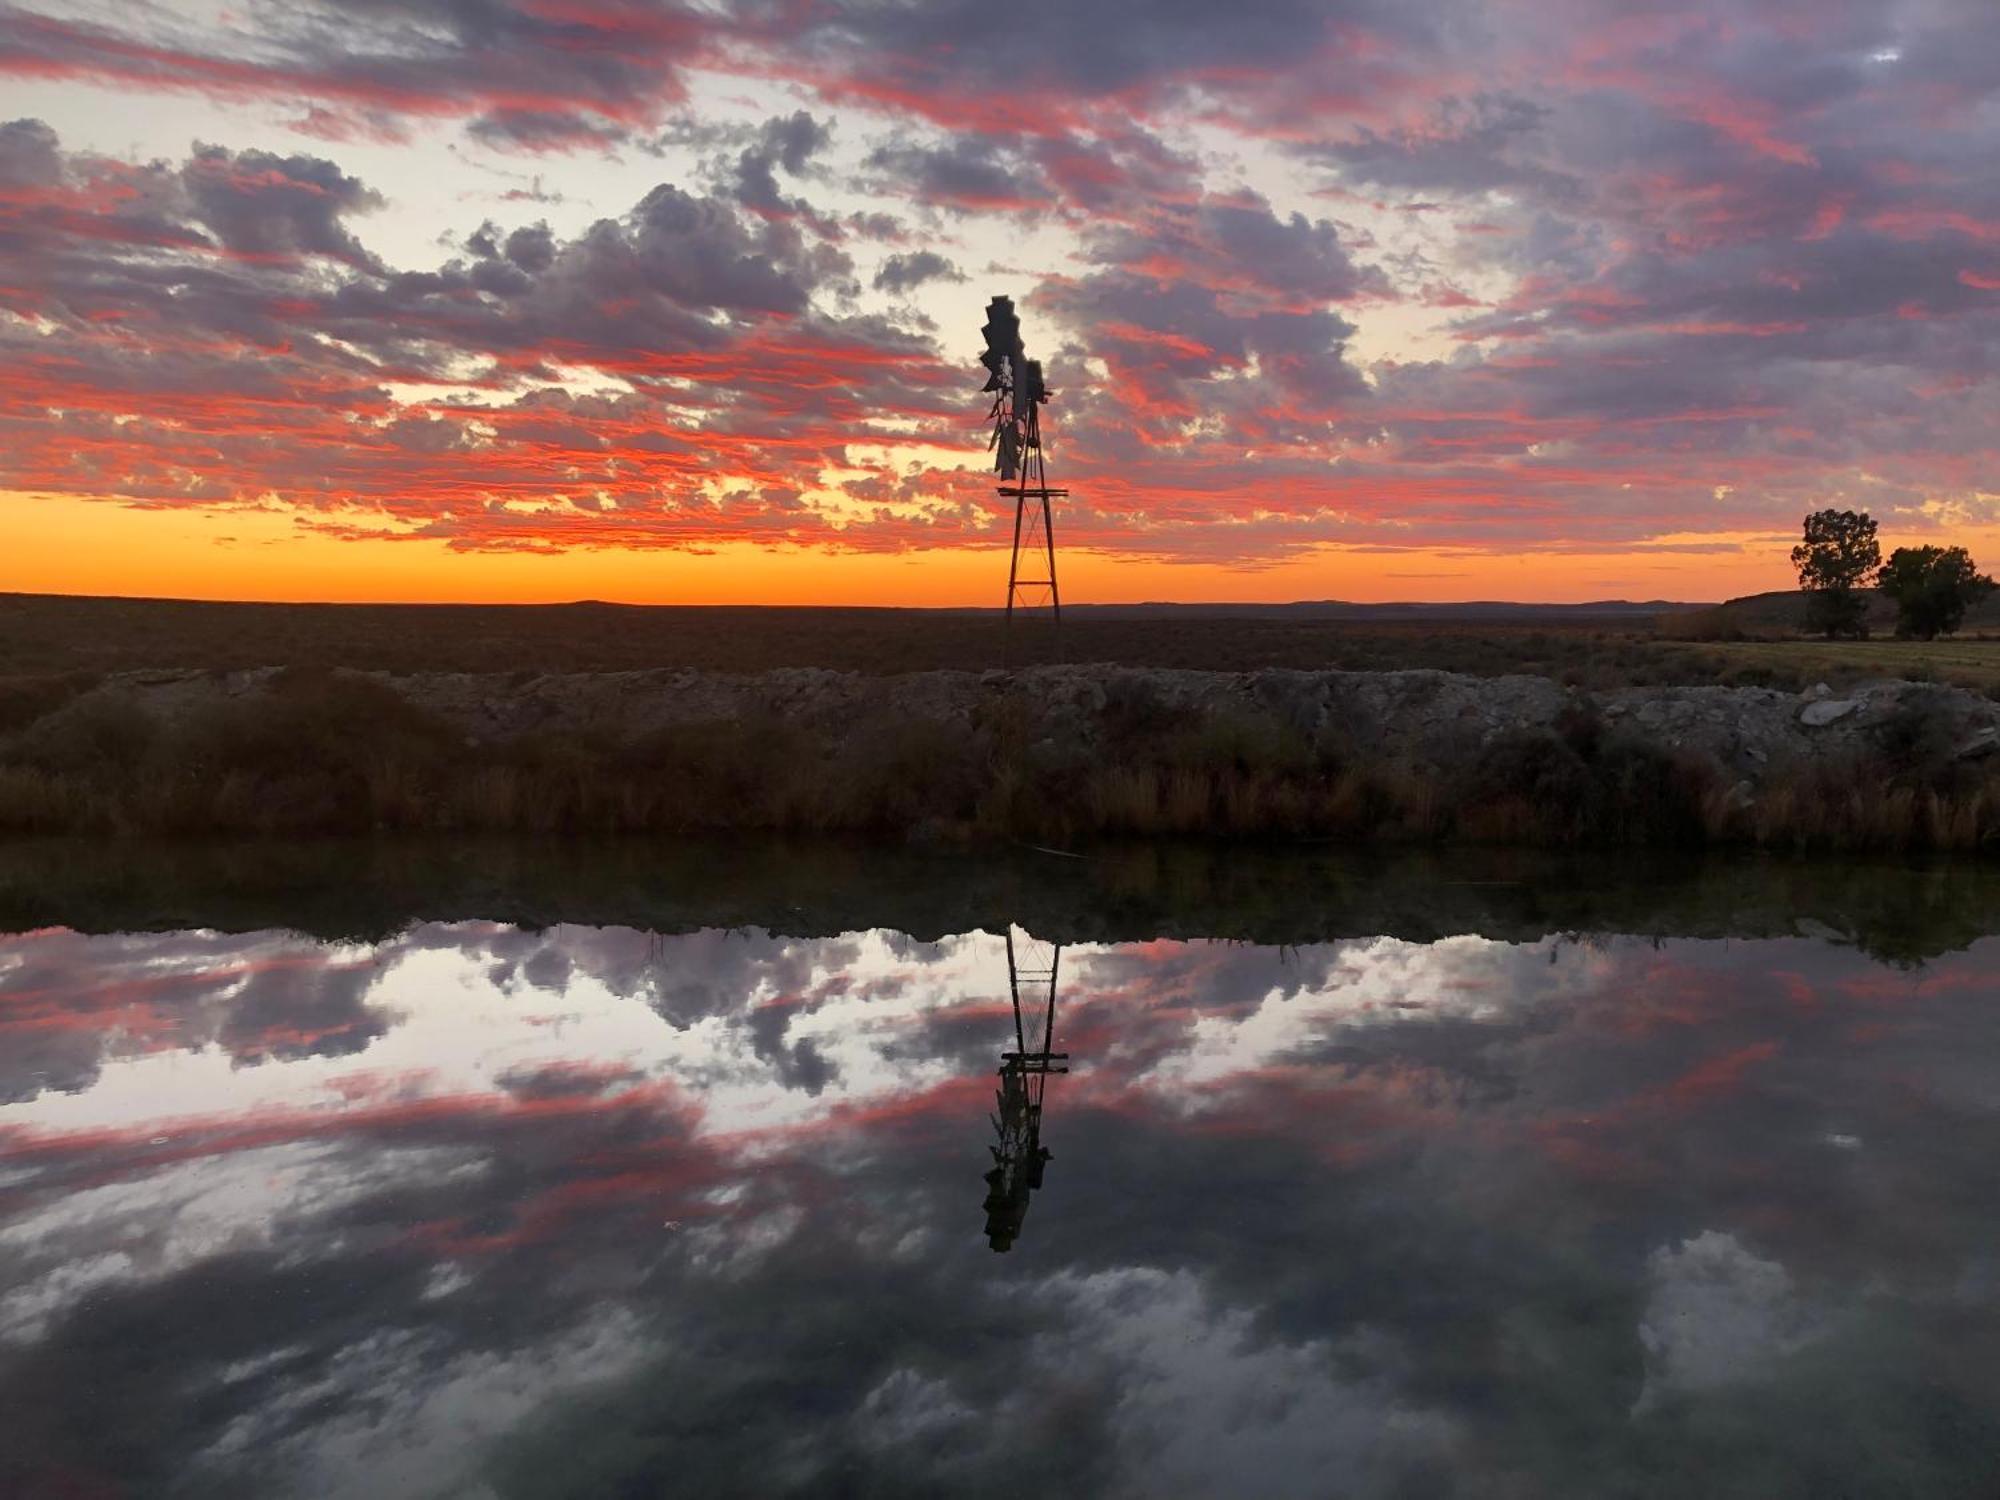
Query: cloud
226	303
967	173
544	130
413	57
1582	276
901	273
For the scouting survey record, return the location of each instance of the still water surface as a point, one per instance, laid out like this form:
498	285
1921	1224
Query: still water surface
478	1210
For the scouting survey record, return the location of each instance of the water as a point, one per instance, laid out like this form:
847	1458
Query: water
471	1208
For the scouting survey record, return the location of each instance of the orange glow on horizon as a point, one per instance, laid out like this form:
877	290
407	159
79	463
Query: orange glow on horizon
67	545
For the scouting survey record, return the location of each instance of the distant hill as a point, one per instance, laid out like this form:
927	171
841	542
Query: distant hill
1778	614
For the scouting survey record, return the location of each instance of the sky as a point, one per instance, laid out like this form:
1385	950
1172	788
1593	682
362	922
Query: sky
678	300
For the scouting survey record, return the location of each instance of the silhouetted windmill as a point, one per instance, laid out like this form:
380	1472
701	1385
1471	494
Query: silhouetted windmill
1015	382
1024	1075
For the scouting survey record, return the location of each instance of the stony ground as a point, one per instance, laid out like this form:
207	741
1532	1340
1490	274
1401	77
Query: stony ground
1429	719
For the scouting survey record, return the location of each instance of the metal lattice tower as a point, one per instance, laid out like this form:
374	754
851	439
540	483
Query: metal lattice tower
1018	1157
1015	383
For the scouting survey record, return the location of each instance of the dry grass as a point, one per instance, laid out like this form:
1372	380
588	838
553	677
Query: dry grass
320	753
1973	663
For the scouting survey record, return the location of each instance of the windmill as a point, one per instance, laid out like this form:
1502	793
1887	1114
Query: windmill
1015	383
1019	1156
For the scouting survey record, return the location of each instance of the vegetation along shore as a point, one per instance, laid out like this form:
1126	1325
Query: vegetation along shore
1053	755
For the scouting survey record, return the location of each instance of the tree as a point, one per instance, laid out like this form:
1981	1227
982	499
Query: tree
1933	587
1837	555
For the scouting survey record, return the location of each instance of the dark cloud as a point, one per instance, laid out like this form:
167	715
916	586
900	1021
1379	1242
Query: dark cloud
789	142
258	204
624	61
968	173
418	57
558	130
1471	145
901	273
30	154
793	140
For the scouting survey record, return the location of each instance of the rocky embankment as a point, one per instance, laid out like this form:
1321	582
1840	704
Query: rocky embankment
1433	722
1049	755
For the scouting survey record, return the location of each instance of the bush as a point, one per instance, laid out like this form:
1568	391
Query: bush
93	736
1582	784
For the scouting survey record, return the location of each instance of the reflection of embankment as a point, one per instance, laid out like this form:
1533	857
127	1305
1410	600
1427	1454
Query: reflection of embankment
1902	912
1047	754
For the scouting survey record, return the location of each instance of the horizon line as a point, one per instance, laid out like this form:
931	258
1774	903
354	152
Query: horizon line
993	609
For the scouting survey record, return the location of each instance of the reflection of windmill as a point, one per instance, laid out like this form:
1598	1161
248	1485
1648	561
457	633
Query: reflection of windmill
1015	382
1024	1074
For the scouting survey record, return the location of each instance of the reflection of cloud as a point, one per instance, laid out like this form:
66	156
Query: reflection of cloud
446	1400
592	1207
908	1407
1376	982
1717	1316
152	1228
73	1001
1210	1405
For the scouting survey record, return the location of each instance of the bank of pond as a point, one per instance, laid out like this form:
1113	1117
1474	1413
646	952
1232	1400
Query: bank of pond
335	753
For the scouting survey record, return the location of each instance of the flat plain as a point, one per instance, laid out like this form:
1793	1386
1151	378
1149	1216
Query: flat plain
44	635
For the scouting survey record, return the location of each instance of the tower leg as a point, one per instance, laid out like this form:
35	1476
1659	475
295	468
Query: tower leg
1013	577
1049	535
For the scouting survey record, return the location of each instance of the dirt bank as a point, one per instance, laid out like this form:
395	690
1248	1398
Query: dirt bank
1050	751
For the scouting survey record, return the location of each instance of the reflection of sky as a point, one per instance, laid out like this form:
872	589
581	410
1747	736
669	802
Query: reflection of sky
481	1211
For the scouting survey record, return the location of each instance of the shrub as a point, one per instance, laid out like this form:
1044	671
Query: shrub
23	700
96	735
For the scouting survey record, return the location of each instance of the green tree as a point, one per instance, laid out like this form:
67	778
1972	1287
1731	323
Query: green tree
1933	587
1833	561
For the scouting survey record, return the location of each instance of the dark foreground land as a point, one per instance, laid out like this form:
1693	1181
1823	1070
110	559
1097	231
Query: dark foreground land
1054	755
1745	643
1555	728
44	634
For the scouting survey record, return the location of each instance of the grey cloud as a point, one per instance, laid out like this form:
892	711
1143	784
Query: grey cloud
261	204
1470	145
901	273
793	140
30	154
966	172
395	56
515	129
1089	50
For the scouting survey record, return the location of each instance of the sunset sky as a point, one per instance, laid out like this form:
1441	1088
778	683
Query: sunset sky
678	300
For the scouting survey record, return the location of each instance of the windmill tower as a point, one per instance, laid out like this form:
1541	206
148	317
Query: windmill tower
1015	383
1019	1156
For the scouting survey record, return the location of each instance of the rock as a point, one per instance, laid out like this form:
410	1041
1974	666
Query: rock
1817	691
1824	711
1981	745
